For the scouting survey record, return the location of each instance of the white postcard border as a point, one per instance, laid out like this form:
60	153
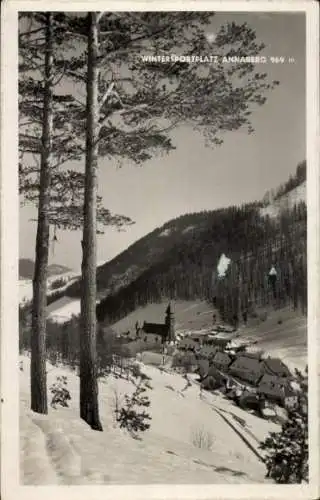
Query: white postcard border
10	488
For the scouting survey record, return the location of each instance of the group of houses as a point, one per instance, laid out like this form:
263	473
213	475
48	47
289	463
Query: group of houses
216	360
265	376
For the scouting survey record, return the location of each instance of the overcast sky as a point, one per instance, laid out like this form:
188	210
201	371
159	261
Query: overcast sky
195	177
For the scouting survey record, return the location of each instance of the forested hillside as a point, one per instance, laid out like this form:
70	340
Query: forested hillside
179	261
180	235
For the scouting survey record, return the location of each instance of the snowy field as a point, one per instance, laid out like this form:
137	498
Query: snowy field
25	291
61	449
286	340
25	286
63	309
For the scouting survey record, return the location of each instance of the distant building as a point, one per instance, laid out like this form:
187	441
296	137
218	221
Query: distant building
203	368
216	341
222	361
189	344
290	400
277	388
274	366
158	332
197	337
272	278
247	367
150	338
214	379
208	351
253	354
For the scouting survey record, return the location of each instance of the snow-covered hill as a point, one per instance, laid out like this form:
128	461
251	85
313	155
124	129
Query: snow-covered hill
26	269
25	285
59	448
285	202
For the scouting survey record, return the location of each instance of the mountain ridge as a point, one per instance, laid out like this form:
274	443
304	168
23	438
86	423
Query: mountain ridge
26	269
179	259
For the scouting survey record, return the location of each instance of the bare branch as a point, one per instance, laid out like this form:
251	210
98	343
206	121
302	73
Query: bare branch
107	94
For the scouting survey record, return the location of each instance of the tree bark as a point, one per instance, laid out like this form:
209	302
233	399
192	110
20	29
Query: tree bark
38	335
89	407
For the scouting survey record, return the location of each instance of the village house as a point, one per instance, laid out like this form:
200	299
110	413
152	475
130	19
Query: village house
290	400
277	389
274	366
222	361
189	344
149	337
247	367
214	379
216	341
129	335
223	328
197	337
208	351
203	368
256	354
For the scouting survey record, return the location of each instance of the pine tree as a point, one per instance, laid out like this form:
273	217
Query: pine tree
38	360
46	131
89	407
287	451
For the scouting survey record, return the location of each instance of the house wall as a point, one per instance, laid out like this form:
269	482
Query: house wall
151	338
188	344
272	386
221	343
290	401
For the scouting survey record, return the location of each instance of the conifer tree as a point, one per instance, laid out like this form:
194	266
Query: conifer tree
46	142
287	451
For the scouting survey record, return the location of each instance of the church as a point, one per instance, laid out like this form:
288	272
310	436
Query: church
158	332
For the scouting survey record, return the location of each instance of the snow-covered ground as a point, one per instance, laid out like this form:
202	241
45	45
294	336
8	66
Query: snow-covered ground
285	202
25	291
63	309
166	232
25	286
61	449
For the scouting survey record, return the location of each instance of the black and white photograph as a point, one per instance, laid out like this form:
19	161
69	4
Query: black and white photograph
163	249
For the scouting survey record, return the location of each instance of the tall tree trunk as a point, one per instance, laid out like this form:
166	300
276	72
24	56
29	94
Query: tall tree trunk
89	408
38	335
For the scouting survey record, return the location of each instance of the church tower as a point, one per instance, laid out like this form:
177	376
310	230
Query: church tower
169	321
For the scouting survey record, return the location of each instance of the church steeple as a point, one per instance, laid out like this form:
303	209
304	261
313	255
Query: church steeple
170	323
